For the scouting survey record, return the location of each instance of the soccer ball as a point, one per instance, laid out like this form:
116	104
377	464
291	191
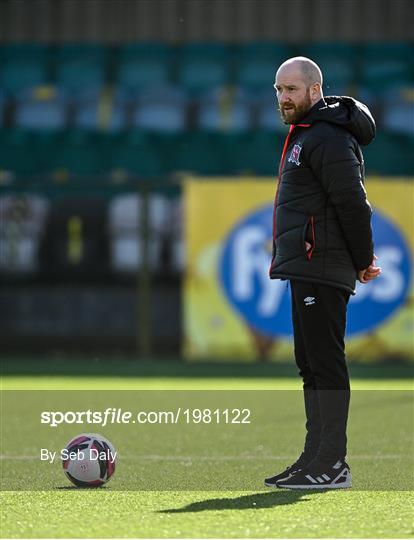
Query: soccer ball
89	460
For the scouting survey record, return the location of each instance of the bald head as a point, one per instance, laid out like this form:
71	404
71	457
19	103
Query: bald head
305	67
299	86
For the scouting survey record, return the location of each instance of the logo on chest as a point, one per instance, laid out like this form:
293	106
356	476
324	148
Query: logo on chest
294	155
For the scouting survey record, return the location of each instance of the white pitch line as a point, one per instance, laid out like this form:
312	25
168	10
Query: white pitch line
154	457
247	457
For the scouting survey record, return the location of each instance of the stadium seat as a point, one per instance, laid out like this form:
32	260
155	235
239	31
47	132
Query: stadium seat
203	66
77	152
74	51
161	109
79	66
16	75
135	154
223	154
23	50
136	75
267	113
197	152
125	214
45	144
23	220
390	154
125	96
18	154
143	65
3	104
386	64
398	109
233	147
260	153
109	116
257	64
337	61
23	65
145	49
74	75
369	97
224	109
87	94
81	154
41	108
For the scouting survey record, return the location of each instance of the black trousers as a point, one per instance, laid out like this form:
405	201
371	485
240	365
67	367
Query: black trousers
319	319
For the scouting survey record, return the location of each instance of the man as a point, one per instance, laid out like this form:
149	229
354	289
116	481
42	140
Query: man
322	243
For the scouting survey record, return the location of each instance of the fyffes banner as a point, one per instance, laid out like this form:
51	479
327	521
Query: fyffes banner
232	307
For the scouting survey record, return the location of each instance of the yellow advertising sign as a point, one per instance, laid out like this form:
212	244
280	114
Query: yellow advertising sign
234	311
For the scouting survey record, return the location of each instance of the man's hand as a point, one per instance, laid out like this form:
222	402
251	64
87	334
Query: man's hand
372	272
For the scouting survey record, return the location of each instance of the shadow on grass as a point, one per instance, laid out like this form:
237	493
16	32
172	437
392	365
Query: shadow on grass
246	502
80	488
132	367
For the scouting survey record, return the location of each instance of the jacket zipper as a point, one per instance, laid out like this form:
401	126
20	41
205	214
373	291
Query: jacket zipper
282	160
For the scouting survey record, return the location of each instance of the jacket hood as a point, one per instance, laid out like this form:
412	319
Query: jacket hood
346	112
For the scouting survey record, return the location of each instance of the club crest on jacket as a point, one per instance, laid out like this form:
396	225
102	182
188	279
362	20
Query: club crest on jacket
294	155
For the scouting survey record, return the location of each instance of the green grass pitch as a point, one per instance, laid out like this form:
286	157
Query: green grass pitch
258	513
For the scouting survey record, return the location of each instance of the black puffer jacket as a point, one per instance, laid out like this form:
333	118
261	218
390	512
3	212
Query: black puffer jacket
321	198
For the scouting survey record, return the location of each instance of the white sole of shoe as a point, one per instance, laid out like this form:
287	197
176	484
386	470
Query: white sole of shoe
344	485
274	485
314	487
344	475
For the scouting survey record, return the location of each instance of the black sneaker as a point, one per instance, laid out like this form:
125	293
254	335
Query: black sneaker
317	476
288	472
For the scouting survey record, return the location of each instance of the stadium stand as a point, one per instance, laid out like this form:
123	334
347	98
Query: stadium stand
225	109
255	64
386	64
267	116
80	153
2	108
23	66
133	153
41	108
337	62
161	109
102	113
398	109
79	66
191	151
14	144
150	109
143	65
203	66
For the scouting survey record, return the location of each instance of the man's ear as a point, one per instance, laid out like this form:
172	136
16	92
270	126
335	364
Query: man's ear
315	91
